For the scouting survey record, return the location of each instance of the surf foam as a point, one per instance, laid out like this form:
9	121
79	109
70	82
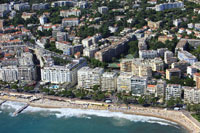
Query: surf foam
81	113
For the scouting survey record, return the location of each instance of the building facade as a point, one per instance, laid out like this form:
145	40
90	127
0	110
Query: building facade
9	73
63	74
109	81
173	91
186	56
191	95
88	77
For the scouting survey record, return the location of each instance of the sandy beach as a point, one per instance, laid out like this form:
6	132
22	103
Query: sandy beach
183	118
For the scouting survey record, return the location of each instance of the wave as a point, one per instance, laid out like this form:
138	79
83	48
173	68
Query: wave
81	113
12	105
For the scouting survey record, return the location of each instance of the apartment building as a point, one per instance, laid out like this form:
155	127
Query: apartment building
27	73
141	67
5	7
173	72
62	3
148	54
63	74
103	9
186	56
129	83
154	25
68	48
70	22
182	65
170	5
109	81
73	12
169	57
9	73
22	6
191	95
173	91
88	77
61	36
115	49
40	6
90	51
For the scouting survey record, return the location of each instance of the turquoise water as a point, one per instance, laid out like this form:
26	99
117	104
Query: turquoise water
37	120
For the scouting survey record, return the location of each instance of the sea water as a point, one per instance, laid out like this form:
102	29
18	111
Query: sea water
41	120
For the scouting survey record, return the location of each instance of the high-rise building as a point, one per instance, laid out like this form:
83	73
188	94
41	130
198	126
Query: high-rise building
141	67
27	73
173	91
191	95
129	83
88	77
63	74
109	81
9	73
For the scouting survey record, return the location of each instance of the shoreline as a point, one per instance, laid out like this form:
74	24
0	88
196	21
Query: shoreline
182	118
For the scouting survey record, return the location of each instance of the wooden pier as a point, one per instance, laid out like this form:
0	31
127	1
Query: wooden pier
20	110
3	102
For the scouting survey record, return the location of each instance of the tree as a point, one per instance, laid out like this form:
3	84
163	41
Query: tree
133	48
171	102
189	82
28	88
14	86
196	108
95	87
141	100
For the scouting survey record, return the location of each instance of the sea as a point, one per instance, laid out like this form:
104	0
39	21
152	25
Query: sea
64	120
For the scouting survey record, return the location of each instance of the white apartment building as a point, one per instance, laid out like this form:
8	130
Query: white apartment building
27	73
9	73
70	22
148	54
103	9
87	42
129	83
170	5
22	6
56	74
88	77
173	90
90	51
5	7
63	74
109	81
138	85
160	88
73	12
191	70
169	57
124	82
191	95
